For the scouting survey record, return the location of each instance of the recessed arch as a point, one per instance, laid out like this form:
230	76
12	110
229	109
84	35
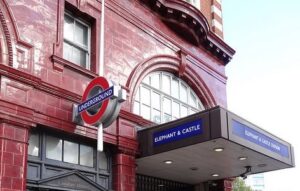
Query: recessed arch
9	35
169	64
6	52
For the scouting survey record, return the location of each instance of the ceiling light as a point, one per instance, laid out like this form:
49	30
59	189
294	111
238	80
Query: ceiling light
219	149
168	162
262	165
215	175
194	168
161	185
242	158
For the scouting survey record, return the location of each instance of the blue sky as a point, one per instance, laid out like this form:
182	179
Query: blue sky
264	75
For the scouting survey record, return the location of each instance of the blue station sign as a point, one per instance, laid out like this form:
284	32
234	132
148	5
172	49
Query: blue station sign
179	132
259	138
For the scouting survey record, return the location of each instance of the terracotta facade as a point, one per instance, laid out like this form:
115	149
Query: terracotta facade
39	87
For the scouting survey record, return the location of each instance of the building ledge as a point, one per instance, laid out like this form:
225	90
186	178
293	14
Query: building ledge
189	23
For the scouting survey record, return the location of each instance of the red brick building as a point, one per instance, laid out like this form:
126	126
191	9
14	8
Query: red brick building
165	53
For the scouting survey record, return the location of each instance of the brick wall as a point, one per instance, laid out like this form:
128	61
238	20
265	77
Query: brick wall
13	157
212	10
38	87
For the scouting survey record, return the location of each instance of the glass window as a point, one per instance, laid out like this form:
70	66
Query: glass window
166	84
200	106
137	95
163	97
156	116
193	111
193	100
184	111
81	34
175	110
65	151
155	100
167	105
86	156
183	93
70	152
53	148
136	108
155	81
68	27
68	52
79	57
34	144
146	80
145	110
76	41
145	93
167	118
103	161
175	88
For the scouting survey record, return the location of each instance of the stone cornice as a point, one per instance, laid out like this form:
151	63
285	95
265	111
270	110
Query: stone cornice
38	83
191	22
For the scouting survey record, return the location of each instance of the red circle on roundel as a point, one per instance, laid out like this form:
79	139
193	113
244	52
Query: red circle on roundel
103	84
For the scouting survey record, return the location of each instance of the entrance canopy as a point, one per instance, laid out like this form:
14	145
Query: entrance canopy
210	145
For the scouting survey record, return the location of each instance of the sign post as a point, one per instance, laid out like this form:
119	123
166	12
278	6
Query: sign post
100	138
100	106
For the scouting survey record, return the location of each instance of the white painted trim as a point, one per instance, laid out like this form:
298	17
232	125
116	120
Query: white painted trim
198	4
216	10
219	1
195	3
217	24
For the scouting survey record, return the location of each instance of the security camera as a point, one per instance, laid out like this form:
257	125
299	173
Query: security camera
243	176
247	172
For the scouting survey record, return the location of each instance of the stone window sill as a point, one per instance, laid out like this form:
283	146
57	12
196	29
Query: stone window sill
59	64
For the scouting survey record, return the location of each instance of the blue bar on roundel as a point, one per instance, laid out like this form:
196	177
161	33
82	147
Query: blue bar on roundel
98	98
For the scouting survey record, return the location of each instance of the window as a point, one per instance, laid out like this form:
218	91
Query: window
51	154
163	97
53	148
196	3
68	151
85	155
34	144
76	47
104	161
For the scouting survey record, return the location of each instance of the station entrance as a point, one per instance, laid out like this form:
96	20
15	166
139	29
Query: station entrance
148	183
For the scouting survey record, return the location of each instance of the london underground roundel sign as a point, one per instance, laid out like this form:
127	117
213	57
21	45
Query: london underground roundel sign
100	103
95	100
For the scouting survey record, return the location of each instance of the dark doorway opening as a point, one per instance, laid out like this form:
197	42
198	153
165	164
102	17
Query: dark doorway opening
148	183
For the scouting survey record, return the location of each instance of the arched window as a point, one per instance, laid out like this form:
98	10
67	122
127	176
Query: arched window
162	97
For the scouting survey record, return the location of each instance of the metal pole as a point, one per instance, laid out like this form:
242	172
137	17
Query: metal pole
100	138
101	62
101	72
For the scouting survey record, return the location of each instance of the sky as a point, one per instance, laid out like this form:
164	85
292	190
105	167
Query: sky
264	74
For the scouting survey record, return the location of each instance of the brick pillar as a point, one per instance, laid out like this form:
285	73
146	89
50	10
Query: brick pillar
123	172
216	17
228	184
222	185
13	157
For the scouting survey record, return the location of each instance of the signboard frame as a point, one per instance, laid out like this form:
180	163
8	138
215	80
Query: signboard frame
216	123
233	136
